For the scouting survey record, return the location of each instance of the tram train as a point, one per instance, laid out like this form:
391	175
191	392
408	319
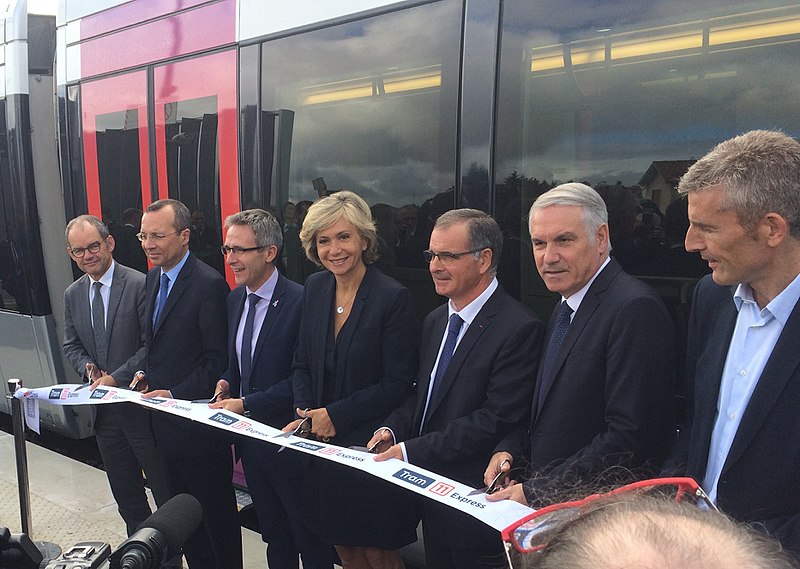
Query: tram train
420	106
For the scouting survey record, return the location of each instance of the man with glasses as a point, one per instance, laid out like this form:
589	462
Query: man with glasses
104	314
479	354
604	390
741	437
187	335
263	323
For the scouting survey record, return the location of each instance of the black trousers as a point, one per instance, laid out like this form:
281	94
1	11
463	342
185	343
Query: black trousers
125	440
217	542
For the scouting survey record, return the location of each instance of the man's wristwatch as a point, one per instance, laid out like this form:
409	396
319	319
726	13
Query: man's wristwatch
245	410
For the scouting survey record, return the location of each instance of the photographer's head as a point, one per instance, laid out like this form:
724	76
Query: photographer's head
638	531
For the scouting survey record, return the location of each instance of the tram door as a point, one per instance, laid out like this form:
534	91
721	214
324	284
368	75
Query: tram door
196	145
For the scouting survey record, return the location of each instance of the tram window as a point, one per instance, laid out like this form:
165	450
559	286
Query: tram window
626	101
373	110
193	173
119	175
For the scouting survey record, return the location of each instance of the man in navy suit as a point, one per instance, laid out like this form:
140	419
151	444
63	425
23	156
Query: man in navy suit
104	313
605	388
264	319
186	336
741	438
474	385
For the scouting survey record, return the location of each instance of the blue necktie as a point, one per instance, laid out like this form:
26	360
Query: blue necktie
162	299
247	343
553	347
99	325
453	329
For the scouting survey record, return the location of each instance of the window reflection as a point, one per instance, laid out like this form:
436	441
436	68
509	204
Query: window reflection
625	101
368	106
118	165
193	172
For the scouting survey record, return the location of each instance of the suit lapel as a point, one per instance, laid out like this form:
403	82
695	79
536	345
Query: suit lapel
321	331
151	290
176	291
233	324
117	287
346	333
434	342
579	322
82	316
271	316
479	325
780	368
707	381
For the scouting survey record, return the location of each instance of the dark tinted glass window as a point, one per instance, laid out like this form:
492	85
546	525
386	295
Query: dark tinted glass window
118	164
625	96
369	106
193	172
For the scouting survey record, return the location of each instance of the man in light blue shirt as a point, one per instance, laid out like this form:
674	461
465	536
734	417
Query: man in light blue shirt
741	437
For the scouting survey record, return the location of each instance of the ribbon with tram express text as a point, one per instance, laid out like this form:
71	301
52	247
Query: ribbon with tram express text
497	515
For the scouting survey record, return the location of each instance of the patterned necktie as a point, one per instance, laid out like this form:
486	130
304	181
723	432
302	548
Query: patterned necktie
453	329
162	299
553	347
247	343
99	325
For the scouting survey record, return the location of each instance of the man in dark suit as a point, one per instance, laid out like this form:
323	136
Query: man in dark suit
104	315
604	390
474	386
741	437
264	318
186	336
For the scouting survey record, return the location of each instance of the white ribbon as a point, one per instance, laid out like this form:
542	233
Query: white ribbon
497	515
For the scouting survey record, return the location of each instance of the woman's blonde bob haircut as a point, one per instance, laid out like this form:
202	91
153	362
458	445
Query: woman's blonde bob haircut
328	210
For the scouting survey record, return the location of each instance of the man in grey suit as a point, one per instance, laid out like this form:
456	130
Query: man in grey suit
104	313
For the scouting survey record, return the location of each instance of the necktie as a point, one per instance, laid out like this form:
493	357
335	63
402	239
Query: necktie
453	329
247	343
99	325
553	347
162	299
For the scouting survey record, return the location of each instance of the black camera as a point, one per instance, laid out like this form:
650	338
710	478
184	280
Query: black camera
84	555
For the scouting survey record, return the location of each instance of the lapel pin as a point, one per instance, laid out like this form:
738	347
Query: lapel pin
275	304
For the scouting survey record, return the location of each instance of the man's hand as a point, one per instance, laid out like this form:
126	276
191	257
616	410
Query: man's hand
511	492
233	405
292	426
393	451
103	379
500	462
157	393
381	440
221	391
93	372
321	424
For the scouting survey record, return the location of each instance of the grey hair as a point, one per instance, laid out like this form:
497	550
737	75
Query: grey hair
265	227
482	232
89	220
759	172
658	532
183	219
595	213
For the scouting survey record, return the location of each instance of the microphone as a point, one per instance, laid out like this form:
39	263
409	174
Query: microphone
161	536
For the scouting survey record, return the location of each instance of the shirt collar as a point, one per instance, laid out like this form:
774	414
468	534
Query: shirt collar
780	307
470	311
268	288
175	271
108	276
574	301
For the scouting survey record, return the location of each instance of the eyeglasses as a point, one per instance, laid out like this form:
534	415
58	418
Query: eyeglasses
155	236
93	248
446	257
534	531
237	250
